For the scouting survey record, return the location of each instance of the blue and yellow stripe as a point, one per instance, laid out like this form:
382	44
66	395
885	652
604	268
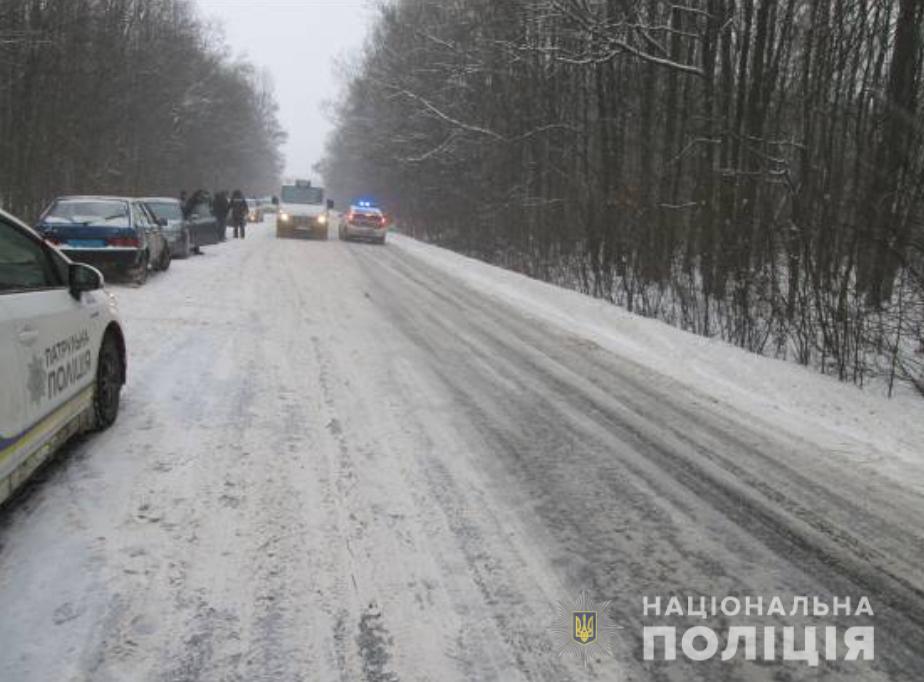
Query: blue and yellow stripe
46	427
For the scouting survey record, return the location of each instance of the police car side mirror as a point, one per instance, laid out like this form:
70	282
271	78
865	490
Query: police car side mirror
330	204
82	277
275	201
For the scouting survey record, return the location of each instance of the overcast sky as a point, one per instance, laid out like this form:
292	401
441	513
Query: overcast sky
297	41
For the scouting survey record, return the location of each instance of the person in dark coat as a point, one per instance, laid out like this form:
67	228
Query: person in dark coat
239	211
220	211
200	196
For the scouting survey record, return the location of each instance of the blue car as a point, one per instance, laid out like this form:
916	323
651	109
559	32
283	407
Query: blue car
115	234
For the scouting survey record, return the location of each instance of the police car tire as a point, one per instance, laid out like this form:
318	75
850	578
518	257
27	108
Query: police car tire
108	383
165	259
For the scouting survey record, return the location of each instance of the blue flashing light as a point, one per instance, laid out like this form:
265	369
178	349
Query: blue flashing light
365	203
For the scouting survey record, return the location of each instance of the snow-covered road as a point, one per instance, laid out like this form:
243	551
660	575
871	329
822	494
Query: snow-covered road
340	462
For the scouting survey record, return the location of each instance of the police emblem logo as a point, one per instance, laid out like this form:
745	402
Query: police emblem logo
585	627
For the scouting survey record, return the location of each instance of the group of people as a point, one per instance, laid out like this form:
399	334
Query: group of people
223	208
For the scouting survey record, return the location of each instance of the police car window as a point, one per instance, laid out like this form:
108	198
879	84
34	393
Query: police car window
24	265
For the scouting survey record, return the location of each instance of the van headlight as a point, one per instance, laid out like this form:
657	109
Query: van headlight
283	216
322	219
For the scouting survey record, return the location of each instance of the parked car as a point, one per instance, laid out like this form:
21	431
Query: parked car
269	204
62	351
256	210
364	221
116	234
169	215
203	228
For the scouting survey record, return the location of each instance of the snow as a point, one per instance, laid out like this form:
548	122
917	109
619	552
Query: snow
866	428
346	461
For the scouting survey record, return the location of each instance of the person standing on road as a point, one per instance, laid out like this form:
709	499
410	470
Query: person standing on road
239	210
220	211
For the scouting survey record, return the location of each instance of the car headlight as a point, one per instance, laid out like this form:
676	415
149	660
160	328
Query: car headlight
283	216
322	219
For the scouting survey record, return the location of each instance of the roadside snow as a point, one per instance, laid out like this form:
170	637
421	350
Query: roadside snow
867	429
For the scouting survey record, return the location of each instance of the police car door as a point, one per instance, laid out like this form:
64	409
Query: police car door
54	335
12	380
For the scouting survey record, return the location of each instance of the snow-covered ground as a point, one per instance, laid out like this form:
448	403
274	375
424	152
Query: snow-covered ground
345	462
866	428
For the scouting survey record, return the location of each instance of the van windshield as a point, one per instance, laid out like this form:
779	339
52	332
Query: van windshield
292	194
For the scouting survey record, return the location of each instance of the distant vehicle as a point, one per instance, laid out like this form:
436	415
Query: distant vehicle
303	212
256	211
268	204
202	225
169	215
364	221
116	234
61	349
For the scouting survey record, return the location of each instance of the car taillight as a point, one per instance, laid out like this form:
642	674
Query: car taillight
123	241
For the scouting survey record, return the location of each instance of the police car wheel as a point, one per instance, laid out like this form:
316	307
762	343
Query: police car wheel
108	383
165	259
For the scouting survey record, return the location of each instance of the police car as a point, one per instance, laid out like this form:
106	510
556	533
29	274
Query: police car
364	221
62	352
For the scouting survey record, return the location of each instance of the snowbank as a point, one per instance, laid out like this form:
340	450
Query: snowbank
867	428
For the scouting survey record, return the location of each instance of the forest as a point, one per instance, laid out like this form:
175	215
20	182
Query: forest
127	97
750	170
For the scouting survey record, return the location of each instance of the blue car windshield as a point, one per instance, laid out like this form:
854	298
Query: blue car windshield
112	213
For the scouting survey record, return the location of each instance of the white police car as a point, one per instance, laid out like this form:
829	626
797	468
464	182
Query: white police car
62	352
364	221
